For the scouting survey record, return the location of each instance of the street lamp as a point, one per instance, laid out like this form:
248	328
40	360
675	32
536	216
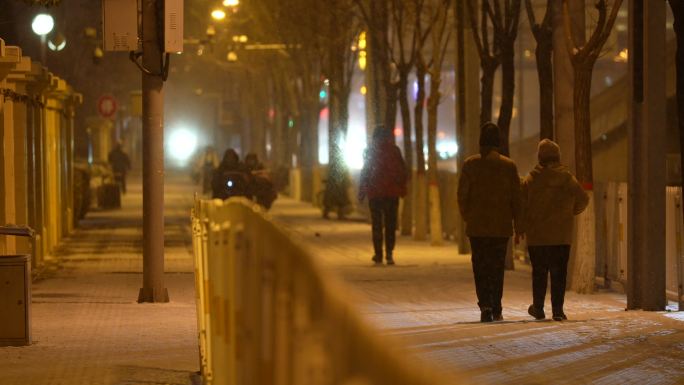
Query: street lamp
57	42
231	3
42	25
218	14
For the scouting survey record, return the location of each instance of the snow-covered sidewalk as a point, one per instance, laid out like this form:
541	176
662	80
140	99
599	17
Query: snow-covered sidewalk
88	328
428	302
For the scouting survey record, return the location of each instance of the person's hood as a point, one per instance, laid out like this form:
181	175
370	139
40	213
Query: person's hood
552	175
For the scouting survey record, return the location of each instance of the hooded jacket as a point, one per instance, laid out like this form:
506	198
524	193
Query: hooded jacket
489	195
551	198
384	173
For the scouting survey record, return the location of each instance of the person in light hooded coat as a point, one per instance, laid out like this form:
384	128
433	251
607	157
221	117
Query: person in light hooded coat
551	198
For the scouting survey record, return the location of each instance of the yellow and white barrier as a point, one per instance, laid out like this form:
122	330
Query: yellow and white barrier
267	314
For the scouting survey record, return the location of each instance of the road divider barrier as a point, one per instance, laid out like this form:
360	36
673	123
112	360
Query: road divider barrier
268	314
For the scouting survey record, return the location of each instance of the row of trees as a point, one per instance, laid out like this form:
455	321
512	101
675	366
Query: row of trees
411	38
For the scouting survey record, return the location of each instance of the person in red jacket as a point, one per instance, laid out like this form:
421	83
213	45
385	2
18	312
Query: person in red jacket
383	181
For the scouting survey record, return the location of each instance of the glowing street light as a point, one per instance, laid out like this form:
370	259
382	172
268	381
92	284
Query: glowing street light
42	24
231	3
218	14
57	42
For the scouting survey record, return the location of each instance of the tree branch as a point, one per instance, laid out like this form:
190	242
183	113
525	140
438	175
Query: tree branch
594	41
605	34
532	19
475	28
569	37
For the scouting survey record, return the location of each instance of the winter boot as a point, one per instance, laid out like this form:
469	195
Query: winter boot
486	314
389	259
536	312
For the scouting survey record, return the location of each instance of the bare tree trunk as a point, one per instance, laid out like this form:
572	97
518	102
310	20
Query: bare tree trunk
543	34
507	94
391	114
489	67
583	58
379	57
407	212
563	109
544	54
420	232
582	99
433	174
584	266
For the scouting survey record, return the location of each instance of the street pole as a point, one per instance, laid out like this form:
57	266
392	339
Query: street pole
647	130
153	289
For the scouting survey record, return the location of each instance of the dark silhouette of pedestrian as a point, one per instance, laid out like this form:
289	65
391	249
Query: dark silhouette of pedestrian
261	187
231	177
551	197
207	164
252	162
383	181
489	202
120	164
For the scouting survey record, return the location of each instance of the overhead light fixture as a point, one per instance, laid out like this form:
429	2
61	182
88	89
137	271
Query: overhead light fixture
211	31
231	3
42	24
218	14
57	42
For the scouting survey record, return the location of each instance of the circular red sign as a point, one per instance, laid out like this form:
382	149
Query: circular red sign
106	106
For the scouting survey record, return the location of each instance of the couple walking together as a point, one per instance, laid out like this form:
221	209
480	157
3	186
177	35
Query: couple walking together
493	202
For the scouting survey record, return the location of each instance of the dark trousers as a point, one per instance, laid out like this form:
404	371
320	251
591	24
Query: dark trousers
120	178
488	259
545	260
384	217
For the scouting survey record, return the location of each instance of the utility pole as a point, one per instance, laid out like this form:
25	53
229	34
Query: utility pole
153	289
647	137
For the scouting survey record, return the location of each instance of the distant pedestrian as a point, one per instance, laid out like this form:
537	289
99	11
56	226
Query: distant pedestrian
231	177
252	162
489	201
551	197
261	188
120	163
207	163
383	181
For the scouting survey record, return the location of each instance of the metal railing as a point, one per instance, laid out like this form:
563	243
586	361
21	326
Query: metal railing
267	314
612	223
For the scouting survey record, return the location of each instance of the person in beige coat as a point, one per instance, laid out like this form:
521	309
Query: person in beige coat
551	198
489	201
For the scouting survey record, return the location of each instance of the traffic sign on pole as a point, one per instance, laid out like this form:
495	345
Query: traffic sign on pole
107	106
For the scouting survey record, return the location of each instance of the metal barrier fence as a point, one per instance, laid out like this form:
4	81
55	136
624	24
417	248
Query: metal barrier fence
611	225
267	314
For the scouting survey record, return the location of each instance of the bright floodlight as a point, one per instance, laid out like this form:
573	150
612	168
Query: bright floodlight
182	143
231	3
42	24
218	14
